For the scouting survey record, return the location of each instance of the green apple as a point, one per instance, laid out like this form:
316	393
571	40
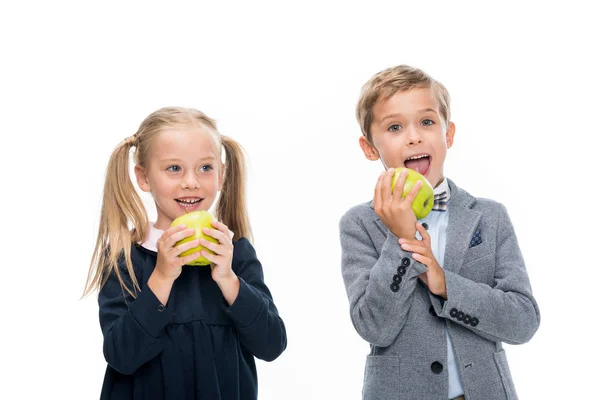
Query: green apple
197	220
423	202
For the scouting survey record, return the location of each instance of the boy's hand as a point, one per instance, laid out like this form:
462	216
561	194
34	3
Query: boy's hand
434	278
393	210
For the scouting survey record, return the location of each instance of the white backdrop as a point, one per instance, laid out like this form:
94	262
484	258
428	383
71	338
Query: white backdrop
283	79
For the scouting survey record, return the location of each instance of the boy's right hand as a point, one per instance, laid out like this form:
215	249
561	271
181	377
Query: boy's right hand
168	262
393	210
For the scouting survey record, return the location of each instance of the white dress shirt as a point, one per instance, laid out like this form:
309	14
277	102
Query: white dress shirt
437	222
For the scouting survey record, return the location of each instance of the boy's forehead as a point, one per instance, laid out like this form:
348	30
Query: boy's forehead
421	99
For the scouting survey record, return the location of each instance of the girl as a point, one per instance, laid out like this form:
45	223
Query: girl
173	331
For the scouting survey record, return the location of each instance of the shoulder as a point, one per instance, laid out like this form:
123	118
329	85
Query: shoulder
484	205
358	212
242	248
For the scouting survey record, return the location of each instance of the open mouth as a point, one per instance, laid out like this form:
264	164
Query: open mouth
189	203
419	163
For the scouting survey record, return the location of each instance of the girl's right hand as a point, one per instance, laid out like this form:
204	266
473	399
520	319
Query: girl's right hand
168	262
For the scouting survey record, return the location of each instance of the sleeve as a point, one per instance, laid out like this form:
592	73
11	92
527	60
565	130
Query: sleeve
505	312
256	319
379	286
132	327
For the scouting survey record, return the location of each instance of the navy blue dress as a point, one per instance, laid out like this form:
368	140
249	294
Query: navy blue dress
195	347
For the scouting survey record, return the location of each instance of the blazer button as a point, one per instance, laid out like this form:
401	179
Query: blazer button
432	311
397	279
405	262
466	319
460	315
401	271
395	287
424	224
474	321
437	367
161	308
453	312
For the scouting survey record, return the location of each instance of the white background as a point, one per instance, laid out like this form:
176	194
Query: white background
283	79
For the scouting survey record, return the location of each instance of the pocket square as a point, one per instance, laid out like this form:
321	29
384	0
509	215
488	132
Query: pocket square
476	239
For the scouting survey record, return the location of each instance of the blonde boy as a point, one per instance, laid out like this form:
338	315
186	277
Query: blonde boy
435	298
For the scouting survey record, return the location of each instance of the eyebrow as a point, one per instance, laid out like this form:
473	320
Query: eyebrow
207	158
400	114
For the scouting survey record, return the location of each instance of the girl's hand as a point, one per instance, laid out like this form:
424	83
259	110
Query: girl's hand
221	271
168	262
434	278
393	210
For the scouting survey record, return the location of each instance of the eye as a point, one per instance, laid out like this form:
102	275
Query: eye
206	167
394	128
173	168
427	122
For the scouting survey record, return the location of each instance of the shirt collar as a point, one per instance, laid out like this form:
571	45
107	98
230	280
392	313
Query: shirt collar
443	186
152	236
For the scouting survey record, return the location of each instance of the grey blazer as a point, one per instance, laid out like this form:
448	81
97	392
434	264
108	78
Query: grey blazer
489	302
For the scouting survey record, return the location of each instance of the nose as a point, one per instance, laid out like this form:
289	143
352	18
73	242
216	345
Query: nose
413	136
189	181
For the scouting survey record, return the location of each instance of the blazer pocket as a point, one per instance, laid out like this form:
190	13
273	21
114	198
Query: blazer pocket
504	371
477	252
480	270
381	378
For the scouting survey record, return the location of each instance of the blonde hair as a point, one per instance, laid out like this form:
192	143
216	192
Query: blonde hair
388	82
122	207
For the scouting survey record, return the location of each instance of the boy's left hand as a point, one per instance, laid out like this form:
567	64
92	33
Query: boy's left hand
434	278
221	270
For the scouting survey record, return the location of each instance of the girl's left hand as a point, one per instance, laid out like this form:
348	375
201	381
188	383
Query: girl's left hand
221	260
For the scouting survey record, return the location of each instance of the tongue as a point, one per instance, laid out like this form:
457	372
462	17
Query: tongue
420	165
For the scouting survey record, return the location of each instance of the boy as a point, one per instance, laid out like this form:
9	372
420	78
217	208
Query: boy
434	298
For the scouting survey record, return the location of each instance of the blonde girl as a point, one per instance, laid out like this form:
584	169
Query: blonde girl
173	331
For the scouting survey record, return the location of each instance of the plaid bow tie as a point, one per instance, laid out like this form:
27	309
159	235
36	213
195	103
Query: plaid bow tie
440	202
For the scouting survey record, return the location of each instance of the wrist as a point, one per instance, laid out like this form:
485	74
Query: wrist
228	279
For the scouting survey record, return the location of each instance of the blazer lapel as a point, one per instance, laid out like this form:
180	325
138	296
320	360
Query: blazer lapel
462	223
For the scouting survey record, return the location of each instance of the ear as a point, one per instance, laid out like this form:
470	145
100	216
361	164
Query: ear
450	135
370	151
142	178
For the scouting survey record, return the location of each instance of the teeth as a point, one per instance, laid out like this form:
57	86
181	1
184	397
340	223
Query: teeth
417	157
188	201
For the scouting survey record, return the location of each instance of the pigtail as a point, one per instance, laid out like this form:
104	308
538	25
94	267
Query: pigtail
231	207
121	206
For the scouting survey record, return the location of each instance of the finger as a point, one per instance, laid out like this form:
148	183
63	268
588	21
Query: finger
399	187
213	258
220	226
186	246
377	199
386	187
216	247
189	258
422	259
413	248
424	233
220	236
172	230
170	241
410	197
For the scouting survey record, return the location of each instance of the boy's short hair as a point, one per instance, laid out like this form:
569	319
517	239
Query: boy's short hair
388	82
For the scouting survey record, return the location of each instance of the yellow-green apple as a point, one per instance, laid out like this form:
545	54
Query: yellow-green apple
423	202
197	220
